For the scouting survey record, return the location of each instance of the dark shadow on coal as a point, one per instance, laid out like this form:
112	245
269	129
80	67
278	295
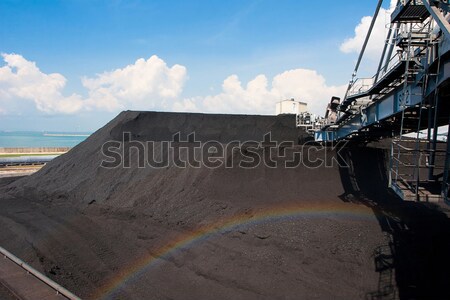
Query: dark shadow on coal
415	264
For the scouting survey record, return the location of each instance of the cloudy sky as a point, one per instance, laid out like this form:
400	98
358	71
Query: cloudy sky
73	65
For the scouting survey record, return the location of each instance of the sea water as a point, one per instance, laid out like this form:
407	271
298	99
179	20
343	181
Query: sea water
41	139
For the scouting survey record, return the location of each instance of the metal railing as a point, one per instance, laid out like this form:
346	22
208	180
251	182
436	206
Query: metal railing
405	163
58	289
362	85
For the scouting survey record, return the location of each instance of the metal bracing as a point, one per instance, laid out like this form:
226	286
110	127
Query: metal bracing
445	176
438	16
387	47
433	142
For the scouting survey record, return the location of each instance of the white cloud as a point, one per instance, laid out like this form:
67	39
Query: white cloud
187	105
142	85
378	36
22	79
255	97
307	85
145	84
151	84
258	97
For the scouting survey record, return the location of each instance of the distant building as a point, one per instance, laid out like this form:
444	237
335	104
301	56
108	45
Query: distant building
291	106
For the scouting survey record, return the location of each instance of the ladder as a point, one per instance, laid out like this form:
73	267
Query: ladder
411	157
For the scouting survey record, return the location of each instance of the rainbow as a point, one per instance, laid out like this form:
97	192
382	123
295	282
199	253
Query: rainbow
189	239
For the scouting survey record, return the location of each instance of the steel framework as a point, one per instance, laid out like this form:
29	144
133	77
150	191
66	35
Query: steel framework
409	94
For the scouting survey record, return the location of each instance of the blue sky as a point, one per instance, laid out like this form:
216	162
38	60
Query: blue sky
219	46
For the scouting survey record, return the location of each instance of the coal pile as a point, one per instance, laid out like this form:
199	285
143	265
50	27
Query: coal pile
200	232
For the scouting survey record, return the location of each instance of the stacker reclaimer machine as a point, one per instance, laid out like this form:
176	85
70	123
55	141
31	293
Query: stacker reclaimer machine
406	101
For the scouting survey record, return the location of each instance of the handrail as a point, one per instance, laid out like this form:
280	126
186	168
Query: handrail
361	85
59	289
